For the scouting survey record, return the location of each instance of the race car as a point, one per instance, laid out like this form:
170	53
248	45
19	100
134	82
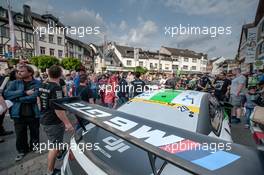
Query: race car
162	132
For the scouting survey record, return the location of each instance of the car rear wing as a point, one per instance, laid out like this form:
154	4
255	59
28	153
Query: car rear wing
192	152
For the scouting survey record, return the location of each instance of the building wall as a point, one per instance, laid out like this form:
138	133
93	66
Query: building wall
260	43
48	45
20	33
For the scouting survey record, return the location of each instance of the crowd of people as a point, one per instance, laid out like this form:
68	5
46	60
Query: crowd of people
29	93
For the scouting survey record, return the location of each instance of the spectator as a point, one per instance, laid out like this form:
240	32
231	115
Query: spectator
110	96
204	83
69	84
23	94
102	88
94	87
236	95
137	85
123	90
251	103
54	119
221	85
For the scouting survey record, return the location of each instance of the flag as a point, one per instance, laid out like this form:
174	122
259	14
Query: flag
11	29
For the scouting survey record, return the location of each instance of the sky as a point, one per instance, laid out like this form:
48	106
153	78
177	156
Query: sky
141	23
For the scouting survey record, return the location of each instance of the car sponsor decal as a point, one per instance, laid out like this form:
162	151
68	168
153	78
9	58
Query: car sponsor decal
173	98
193	109
187	98
165	96
158	138
190	151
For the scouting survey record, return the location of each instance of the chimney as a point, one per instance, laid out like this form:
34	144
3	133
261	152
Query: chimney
27	14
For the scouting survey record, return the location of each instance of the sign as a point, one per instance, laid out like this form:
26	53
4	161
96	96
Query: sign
251	45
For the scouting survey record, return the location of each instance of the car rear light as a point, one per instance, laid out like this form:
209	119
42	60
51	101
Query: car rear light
71	156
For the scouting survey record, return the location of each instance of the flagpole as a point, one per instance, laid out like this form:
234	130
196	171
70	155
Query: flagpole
11	29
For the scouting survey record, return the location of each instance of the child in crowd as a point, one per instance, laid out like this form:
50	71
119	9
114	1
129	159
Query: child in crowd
251	102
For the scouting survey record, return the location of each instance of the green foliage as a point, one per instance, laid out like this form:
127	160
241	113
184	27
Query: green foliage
44	61
34	60
13	62
141	70
71	63
258	63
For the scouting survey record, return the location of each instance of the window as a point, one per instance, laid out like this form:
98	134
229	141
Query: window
176	59
167	66
141	63
51	52
71	54
185	67
175	67
29	37
3	13
1	50
261	48
151	66
19	18
71	45
194	60
42	50
193	67
216	115
59	39
79	56
51	23
160	66
156	65
60	52
79	48
42	37
129	62
4	32
186	60
51	39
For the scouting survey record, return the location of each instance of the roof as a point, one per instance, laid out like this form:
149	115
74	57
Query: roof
260	12
79	43
125	51
14	14
128	52
185	53
245	28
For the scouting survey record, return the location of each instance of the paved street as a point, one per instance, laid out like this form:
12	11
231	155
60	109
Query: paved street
33	163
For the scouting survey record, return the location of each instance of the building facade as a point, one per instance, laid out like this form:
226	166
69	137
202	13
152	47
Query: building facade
23	31
251	45
33	40
114	57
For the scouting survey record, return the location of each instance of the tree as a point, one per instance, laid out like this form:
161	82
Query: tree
71	63
34	60
12	62
44	61
141	70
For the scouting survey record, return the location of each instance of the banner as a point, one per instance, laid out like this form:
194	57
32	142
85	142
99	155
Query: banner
251	45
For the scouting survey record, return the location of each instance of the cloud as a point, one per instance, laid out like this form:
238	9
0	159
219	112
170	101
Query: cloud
205	7
140	35
123	25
